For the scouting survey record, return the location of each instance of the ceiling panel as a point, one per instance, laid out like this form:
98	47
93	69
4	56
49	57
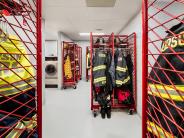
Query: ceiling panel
73	16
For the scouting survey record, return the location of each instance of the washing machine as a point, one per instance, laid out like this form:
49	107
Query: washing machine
51	72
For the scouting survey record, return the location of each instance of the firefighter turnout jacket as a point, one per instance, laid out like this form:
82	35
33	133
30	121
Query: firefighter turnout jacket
171	90
17	89
122	75
99	68
88	60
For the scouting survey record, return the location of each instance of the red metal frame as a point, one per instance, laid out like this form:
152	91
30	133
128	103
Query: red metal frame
131	41
25	23
71	47
78	59
87	69
157	19
77	69
94	105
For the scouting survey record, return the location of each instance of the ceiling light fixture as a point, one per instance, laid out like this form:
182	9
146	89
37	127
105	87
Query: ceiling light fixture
100	3
99	29
87	34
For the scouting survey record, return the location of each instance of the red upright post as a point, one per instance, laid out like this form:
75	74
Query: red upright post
144	66
39	65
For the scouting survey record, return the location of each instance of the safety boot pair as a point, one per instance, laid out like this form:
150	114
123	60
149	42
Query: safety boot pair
104	111
108	112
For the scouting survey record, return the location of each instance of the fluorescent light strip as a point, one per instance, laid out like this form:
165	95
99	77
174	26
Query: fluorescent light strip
87	34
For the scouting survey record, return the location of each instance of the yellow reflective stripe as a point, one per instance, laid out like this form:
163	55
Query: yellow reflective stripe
14	91
167	93
158	131
17	131
97	80
31	124
102	55
88	60
167	87
22	84
120	82
99	67
21	126
166	96
121	69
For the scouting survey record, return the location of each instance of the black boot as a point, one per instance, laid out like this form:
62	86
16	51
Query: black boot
103	113
108	112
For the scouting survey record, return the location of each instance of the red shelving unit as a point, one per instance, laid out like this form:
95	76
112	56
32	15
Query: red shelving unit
78	59
69	64
130	40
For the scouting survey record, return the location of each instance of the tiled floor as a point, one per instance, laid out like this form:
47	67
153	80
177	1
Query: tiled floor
67	114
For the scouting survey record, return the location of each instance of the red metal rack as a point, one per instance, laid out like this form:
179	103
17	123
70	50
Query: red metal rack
69	51
163	69
131	44
94	105
87	67
78	59
20	69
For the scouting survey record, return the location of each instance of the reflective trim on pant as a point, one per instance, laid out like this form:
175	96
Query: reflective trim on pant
168	93
22	126
121	69
100	79
120	82
99	67
158	131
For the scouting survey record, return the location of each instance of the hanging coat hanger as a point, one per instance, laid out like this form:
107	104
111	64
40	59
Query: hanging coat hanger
4	35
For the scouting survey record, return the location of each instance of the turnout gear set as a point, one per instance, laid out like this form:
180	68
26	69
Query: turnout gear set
159	93
110	72
100	80
123	78
88	60
68	68
18	84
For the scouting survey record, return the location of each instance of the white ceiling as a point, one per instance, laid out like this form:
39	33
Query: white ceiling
73	16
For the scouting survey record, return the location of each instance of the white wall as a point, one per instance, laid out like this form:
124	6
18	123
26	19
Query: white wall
83	44
136	26
51	48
